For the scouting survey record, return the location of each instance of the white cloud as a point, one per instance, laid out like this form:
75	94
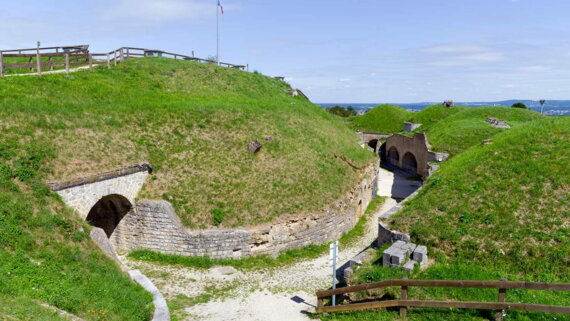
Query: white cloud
159	10
345	80
536	68
453	55
455	49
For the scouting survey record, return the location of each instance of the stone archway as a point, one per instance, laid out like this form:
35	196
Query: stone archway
108	212
409	163
373	144
393	156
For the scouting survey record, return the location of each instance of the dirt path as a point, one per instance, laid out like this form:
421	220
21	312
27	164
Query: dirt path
284	293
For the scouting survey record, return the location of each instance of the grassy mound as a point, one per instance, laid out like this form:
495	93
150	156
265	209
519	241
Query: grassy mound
432	114
45	251
494	211
192	122
505	204
457	132
381	119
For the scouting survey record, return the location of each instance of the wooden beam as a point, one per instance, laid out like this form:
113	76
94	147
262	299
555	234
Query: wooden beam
450	284
39	61
1	64
404	296
67	63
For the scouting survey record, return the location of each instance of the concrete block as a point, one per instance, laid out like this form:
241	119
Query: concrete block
409	266
398	257
420	253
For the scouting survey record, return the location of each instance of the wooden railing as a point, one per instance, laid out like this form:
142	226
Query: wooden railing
70	56
404	302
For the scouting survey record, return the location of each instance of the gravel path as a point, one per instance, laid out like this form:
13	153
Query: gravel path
284	293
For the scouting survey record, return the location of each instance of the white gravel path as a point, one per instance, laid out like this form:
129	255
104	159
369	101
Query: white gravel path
276	294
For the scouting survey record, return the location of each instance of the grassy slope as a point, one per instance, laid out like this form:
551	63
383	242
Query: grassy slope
381	119
45	251
457	132
433	114
494	211
193	123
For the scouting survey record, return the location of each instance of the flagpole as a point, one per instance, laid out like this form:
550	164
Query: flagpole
218	33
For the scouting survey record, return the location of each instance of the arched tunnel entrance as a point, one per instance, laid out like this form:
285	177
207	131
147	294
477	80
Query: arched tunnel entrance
108	212
393	156
373	144
409	163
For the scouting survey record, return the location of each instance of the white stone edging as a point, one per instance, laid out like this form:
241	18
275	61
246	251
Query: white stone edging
161	312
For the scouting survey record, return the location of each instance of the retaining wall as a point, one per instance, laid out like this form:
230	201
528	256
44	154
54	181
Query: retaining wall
155	226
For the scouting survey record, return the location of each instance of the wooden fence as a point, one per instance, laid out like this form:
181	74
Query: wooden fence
51	58
404	302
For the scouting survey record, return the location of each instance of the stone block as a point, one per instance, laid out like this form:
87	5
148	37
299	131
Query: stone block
409	266
398	257
420	254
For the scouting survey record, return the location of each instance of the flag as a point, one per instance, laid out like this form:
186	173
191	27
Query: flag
220	5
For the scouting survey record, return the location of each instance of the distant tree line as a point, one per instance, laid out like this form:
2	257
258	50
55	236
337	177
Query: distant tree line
341	111
518	105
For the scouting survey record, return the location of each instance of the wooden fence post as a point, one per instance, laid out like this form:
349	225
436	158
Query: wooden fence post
404	296
320	305
108	61
122	55
502	296
39	62
49	62
90	62
115	57
67	62
1	64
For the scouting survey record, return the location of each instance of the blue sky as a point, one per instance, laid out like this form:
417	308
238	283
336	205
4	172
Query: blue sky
335	51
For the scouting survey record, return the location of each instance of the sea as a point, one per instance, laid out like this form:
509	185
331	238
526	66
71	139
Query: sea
551	108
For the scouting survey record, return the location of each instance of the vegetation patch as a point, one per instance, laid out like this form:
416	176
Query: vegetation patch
433	114
45	251
381	119
494	211
456	133
192	122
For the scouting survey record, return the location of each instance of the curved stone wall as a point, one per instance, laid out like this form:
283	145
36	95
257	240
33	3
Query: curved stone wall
154	225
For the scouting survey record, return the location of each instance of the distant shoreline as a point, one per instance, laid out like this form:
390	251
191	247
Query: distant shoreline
551	108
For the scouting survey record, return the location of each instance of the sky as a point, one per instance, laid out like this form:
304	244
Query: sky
360	51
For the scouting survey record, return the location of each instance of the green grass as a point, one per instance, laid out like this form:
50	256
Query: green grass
24	309
461	130
493	211
262	262
433	114
12	71
505	204
45	250
192	122
381	119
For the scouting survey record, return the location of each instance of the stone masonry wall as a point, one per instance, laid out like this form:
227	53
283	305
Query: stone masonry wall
154	225
83	197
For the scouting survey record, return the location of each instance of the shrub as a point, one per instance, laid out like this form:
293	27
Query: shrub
519	105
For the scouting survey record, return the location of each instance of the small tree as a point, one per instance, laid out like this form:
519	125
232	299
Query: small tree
519	105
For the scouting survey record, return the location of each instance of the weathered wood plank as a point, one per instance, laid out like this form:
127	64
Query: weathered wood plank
450	284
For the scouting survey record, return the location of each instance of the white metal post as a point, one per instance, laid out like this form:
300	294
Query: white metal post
333	257
217	33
